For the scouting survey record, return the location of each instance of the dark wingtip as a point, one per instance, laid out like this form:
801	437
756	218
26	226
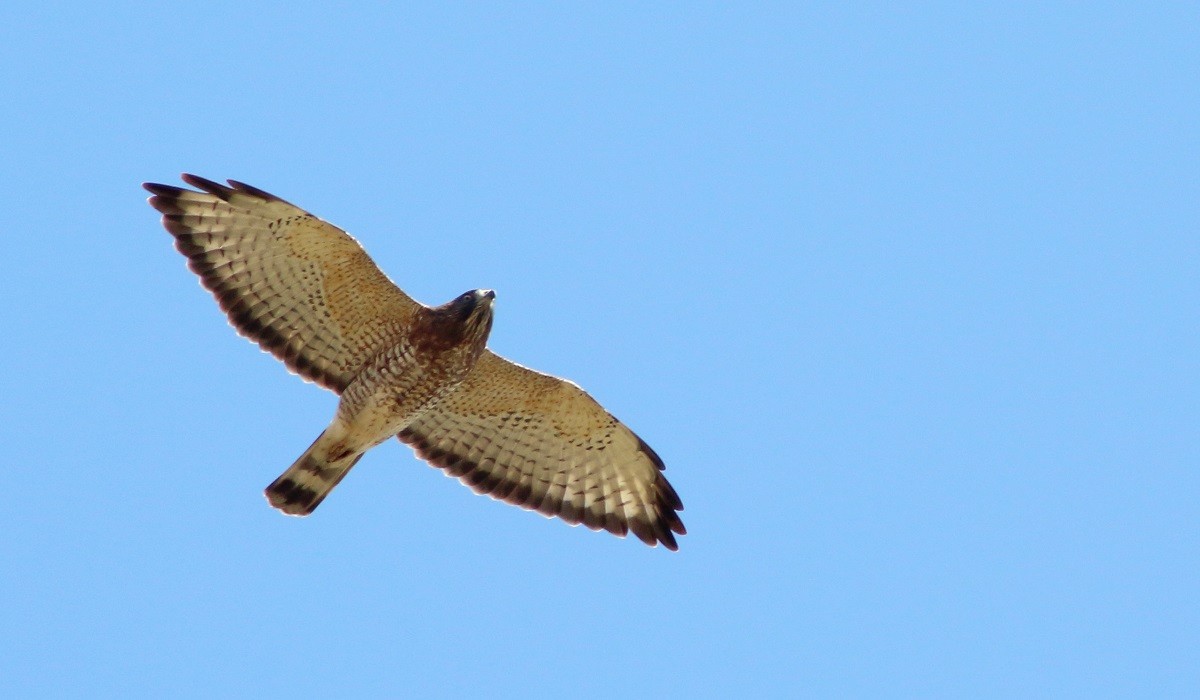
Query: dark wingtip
252	190
160	189
166	204
649	452
669	501
206	185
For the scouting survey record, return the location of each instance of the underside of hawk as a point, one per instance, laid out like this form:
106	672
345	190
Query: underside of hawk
307	292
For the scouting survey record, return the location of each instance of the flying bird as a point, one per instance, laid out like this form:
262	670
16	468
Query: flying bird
307	292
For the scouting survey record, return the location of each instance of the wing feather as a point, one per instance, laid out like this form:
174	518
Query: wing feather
542	443
300	287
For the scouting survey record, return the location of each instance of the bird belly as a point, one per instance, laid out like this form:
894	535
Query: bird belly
376	408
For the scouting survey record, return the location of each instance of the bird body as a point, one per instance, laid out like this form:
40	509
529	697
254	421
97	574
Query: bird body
307	292
431	358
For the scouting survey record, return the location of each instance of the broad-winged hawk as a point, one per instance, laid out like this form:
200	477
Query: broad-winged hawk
306	291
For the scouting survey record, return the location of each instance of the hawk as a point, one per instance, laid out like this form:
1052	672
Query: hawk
307	292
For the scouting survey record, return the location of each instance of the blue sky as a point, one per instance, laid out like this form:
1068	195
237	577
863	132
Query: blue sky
906	298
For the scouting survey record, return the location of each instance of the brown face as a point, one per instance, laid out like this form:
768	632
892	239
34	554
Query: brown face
466	320
476	315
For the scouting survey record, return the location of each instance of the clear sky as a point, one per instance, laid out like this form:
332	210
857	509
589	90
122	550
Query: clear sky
905	296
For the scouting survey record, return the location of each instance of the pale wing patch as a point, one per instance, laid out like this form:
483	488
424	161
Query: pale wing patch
300	287
542	443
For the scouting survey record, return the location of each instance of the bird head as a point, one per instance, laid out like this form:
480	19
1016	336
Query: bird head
473	312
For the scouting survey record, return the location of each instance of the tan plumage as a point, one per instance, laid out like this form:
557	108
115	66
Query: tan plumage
307	292
542	443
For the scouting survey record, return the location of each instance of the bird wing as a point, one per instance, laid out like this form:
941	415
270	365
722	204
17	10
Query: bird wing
300	287
542	443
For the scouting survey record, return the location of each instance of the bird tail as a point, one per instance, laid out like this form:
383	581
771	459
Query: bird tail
300	489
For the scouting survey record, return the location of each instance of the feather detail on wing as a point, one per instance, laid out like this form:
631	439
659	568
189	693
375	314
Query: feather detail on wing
300	287
542	443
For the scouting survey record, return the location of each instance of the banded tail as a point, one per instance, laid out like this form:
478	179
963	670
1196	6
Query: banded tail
300	489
